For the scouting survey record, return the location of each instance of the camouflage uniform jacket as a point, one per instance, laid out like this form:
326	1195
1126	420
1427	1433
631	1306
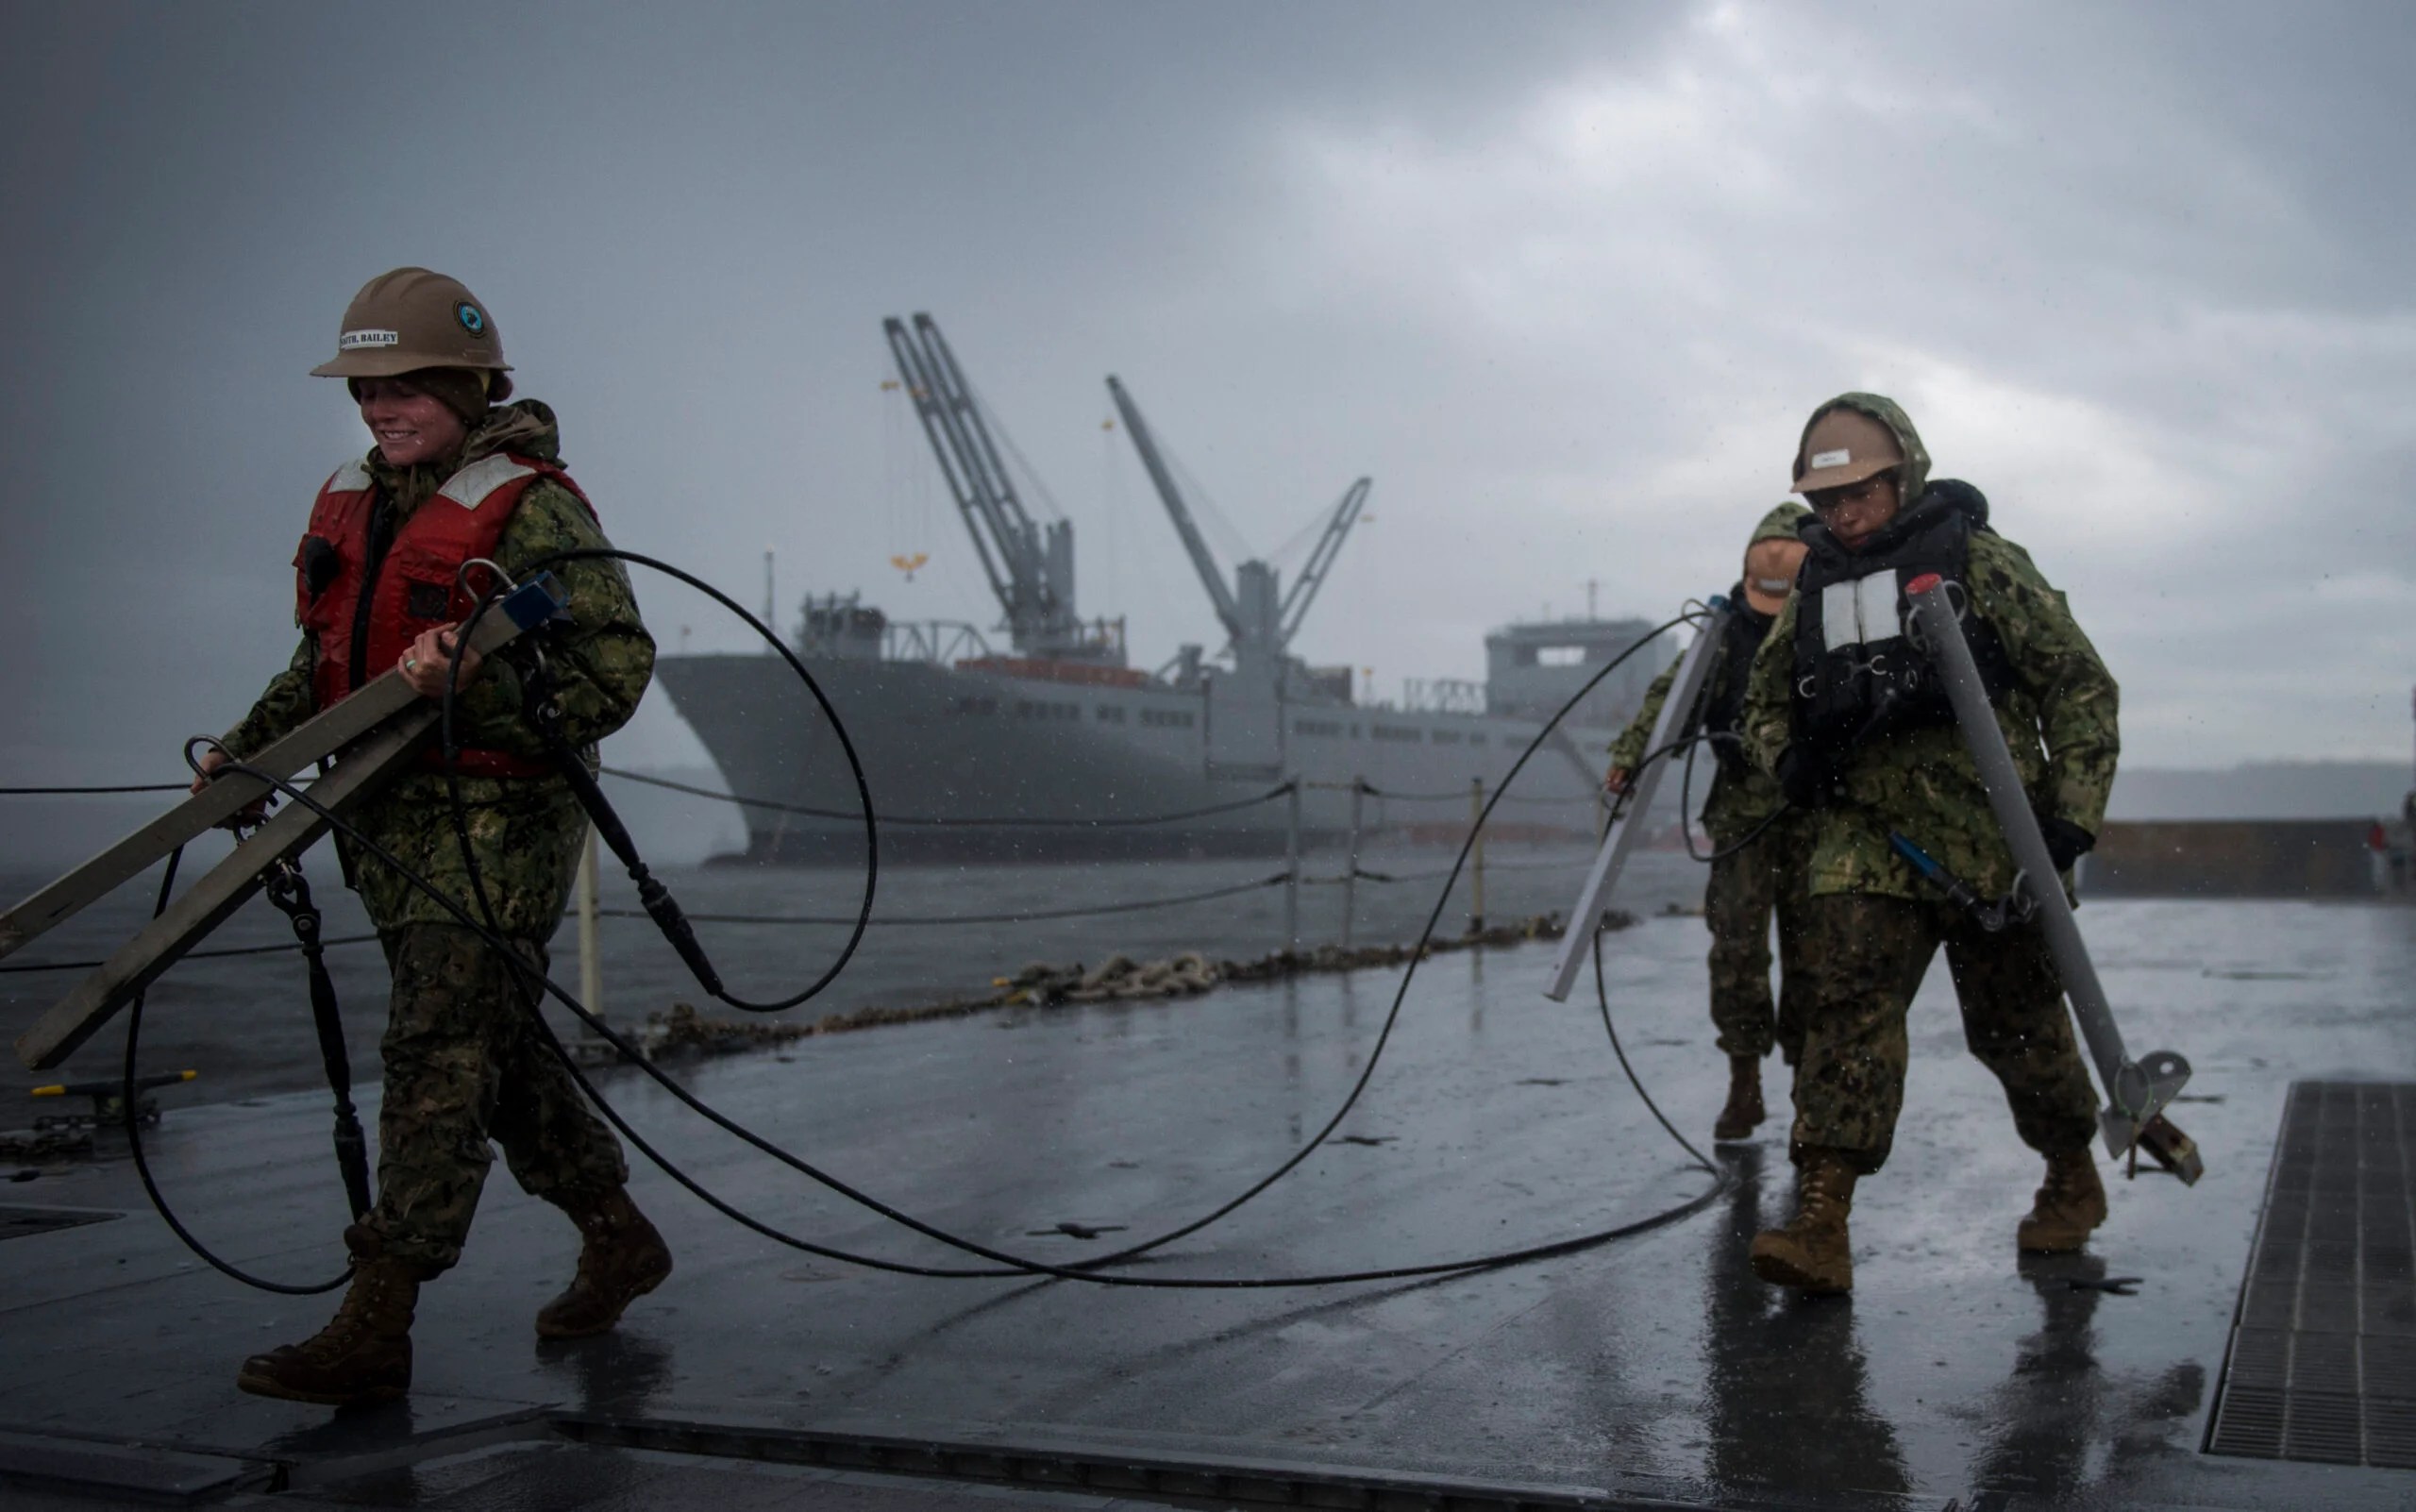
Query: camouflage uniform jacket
1739	798
526	831
1922	782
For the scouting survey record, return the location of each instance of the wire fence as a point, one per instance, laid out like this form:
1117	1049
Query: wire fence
1024	820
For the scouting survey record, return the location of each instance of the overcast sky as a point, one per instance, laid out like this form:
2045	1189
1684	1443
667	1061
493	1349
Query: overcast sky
1566	280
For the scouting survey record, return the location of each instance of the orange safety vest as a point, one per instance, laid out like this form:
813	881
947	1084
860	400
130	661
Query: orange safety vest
412	586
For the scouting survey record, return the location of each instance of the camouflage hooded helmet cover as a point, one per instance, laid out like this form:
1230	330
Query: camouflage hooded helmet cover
1770	575
411	319
1779	524
1848	424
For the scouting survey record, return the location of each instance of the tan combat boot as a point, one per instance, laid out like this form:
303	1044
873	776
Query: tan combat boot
1744	1112
365	1353
2071	1203
623	1259
1812	1253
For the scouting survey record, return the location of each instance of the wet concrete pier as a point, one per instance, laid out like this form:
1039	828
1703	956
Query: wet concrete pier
1649	1373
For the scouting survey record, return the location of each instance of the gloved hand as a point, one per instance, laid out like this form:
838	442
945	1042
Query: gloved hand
2067	842
1806	776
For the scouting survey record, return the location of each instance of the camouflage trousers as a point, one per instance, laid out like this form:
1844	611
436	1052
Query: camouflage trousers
464	1064
1763	877
1864	959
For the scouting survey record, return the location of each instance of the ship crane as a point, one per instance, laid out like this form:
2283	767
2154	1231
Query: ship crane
1305	587
1030	567
1259	625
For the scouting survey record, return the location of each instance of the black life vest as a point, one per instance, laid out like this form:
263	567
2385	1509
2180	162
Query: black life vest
1856	675
1741	641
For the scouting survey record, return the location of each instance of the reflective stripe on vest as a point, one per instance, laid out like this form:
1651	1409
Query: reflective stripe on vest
1859	611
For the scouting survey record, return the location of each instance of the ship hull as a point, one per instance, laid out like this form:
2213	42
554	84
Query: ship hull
950	752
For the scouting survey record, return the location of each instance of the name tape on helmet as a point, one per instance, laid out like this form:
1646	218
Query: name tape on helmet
354	340
1830	459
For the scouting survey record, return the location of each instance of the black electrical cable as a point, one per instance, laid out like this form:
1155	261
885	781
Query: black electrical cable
1373	791
771	637
84	792
279	948
1016	1264
1392	1018
496	939
1691	739
1686	779
143	1165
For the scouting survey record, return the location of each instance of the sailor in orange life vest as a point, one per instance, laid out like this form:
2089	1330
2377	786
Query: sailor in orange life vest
456	475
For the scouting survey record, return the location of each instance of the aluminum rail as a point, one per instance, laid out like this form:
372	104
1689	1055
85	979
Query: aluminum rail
1594	898
2137	1091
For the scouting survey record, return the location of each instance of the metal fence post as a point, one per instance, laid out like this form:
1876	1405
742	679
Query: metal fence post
590	962
1350	867
1292	867
1476	857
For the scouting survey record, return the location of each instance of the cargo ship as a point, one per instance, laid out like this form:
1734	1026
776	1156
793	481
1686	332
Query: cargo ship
1055	745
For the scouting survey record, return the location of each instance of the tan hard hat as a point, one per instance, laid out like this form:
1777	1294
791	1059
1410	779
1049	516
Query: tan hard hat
410	319
1845	445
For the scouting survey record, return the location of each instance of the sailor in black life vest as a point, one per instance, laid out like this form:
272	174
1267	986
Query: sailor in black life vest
1845	711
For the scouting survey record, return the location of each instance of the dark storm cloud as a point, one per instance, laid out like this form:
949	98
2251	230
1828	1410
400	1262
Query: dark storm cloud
1565	279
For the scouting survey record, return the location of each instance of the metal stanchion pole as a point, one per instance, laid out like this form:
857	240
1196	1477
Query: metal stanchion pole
591	962
1292	867
1476	856
1350	867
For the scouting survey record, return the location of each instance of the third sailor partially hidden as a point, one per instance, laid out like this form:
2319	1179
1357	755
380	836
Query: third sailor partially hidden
1759	848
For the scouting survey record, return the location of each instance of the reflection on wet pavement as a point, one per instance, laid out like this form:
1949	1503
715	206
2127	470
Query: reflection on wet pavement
1773	1357
1658	1368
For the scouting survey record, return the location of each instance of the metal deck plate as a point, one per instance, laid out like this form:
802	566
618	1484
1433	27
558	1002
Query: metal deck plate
2322	1358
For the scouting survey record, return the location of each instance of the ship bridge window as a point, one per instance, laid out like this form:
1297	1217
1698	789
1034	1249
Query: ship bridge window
1111	713
1324	729
1172	719
977	706
1444	737
1560	655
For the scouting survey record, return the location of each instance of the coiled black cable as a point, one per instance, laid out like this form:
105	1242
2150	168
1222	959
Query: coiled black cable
1088	1271
1012	1264
1367	1074
648	889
